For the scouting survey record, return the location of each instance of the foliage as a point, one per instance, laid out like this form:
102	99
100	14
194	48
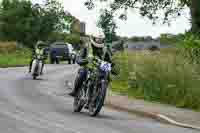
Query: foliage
165	10
119	46
26	22
170	39
191	45
148	8
190	41
73	39
108	25
70	38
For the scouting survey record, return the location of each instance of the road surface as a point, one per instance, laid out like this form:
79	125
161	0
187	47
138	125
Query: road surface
41	106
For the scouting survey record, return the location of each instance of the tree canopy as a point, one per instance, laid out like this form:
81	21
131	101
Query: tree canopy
26	22
155	9
108	25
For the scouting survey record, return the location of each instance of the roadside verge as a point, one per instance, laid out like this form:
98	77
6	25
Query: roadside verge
163	113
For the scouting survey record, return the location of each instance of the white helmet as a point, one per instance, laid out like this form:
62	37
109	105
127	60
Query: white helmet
40	44
97	42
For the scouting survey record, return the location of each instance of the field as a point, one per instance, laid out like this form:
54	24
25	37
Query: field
166	76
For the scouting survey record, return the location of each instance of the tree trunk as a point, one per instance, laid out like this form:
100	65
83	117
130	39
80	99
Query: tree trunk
195	15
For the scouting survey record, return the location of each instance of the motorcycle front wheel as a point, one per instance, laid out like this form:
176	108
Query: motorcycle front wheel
98	98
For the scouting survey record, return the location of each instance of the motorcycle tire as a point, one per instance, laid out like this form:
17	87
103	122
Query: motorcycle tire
78	104
99	102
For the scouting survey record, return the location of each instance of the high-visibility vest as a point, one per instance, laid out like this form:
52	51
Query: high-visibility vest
39	51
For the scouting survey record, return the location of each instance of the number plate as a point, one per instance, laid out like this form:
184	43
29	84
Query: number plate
105	66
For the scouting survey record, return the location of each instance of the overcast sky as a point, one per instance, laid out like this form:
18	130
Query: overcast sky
134	26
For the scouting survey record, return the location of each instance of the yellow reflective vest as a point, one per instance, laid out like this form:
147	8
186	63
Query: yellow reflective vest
39	51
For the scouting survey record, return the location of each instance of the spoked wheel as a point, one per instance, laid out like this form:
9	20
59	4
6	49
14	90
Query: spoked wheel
98	98
78	103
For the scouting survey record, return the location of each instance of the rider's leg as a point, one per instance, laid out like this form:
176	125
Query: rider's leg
42	68
82	74
30	65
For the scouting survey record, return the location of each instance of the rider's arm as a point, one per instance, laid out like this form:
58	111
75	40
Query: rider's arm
45	54
82	58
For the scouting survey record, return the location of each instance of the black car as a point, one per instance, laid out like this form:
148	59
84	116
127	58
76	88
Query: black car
59	51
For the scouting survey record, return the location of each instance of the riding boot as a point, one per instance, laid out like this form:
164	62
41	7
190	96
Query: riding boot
30	66
82	73
42	69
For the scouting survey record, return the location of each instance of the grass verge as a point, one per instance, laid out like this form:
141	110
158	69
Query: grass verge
165	76
19	57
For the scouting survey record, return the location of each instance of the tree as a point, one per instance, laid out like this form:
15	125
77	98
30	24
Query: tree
108	25
152	8
69	38
15	19
27	23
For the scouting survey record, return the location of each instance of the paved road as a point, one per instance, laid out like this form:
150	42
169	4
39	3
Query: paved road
28	106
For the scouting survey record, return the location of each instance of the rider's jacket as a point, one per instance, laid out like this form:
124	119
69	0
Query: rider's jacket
93	52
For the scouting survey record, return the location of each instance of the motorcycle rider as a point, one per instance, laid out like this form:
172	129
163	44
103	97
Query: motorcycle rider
94	48
39	50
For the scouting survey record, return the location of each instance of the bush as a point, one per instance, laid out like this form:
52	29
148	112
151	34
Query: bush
190	46
153	48
70	38
73	39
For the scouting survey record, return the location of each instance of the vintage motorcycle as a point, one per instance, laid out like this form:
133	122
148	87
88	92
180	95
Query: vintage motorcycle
37	66
92	93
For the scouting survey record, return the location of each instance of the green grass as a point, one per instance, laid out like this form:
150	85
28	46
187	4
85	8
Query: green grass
120	82
165	76
19	57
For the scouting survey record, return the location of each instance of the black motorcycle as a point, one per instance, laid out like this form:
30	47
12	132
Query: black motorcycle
92	93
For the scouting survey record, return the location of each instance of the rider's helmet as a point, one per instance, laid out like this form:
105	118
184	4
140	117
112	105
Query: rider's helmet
40	44
97	46
98	42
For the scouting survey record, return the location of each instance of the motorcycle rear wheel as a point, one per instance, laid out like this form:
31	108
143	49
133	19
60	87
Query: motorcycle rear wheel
78	103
